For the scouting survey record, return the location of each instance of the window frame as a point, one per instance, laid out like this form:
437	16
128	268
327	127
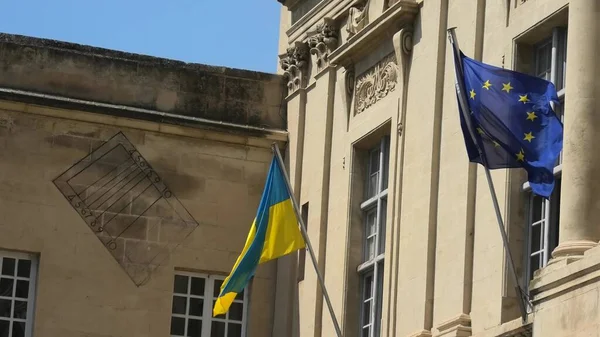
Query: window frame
209	286
373	266
32	290
549	219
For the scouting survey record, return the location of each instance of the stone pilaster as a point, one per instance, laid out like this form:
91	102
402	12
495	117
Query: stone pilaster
580	209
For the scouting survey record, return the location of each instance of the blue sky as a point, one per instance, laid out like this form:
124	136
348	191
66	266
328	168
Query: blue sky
188	30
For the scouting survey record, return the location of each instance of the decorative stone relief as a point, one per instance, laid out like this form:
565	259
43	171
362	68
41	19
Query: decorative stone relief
357	18
376	83
295	65
323	40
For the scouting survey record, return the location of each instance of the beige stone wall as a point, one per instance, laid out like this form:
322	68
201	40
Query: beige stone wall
81	289
446	271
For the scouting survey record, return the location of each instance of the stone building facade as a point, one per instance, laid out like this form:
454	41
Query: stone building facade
127	187
402	224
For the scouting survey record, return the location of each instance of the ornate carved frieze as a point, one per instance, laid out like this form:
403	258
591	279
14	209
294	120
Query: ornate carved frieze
295	65
376	83
357	18
323	40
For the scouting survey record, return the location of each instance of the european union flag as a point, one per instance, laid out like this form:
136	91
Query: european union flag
514	123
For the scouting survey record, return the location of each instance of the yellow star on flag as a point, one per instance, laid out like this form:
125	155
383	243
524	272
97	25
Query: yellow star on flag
506	87
521	156
529	136
487	85
480	131
531	116
523	99
472	94
496	144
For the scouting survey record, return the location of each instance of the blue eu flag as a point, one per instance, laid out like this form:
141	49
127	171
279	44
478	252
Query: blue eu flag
514	123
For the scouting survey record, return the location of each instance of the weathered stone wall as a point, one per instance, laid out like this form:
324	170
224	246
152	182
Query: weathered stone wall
96	74
82	290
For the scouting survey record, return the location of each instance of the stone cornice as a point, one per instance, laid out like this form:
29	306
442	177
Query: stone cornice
362	43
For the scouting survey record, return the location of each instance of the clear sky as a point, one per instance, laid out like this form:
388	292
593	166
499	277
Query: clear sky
232	33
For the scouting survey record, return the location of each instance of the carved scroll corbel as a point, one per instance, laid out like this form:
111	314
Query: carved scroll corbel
322	41
295	66
403	46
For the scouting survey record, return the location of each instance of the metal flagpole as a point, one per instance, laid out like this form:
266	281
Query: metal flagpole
307	240
465	109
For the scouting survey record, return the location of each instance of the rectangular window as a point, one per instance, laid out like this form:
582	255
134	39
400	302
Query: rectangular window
374	210
302	252
17	293
542	230
194	296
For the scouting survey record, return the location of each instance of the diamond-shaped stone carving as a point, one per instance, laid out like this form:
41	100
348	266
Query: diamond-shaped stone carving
127	205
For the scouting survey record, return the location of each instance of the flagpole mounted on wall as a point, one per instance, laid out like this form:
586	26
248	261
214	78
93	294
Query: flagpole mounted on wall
307	240
464	107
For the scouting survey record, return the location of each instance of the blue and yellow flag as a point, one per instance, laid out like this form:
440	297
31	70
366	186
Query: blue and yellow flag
515	124
274	233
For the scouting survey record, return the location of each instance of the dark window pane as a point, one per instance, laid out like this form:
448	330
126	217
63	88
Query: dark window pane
368	287
196	306
534	264
181	284
197	286
179	305
8	266
24	268
366	313
5	308
381	234
236	311
18	329
374	161
6	287
177	326
20	310
4	326
536	235
234	330
537	208
194	328
365	332
217	288
217	329
22	290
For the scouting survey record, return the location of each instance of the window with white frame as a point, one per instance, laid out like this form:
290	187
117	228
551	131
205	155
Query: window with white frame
17	293
374	210
194	296
542	231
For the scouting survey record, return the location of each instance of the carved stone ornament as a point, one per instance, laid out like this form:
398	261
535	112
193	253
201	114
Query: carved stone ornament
295	65
357	18
323	40
376	83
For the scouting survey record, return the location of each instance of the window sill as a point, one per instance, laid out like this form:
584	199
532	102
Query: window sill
514	328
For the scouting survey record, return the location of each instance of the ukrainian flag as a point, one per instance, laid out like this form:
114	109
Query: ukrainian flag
274	233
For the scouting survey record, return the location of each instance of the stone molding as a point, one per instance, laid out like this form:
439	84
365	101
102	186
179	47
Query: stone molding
376	83
459	326
322	41
295	65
